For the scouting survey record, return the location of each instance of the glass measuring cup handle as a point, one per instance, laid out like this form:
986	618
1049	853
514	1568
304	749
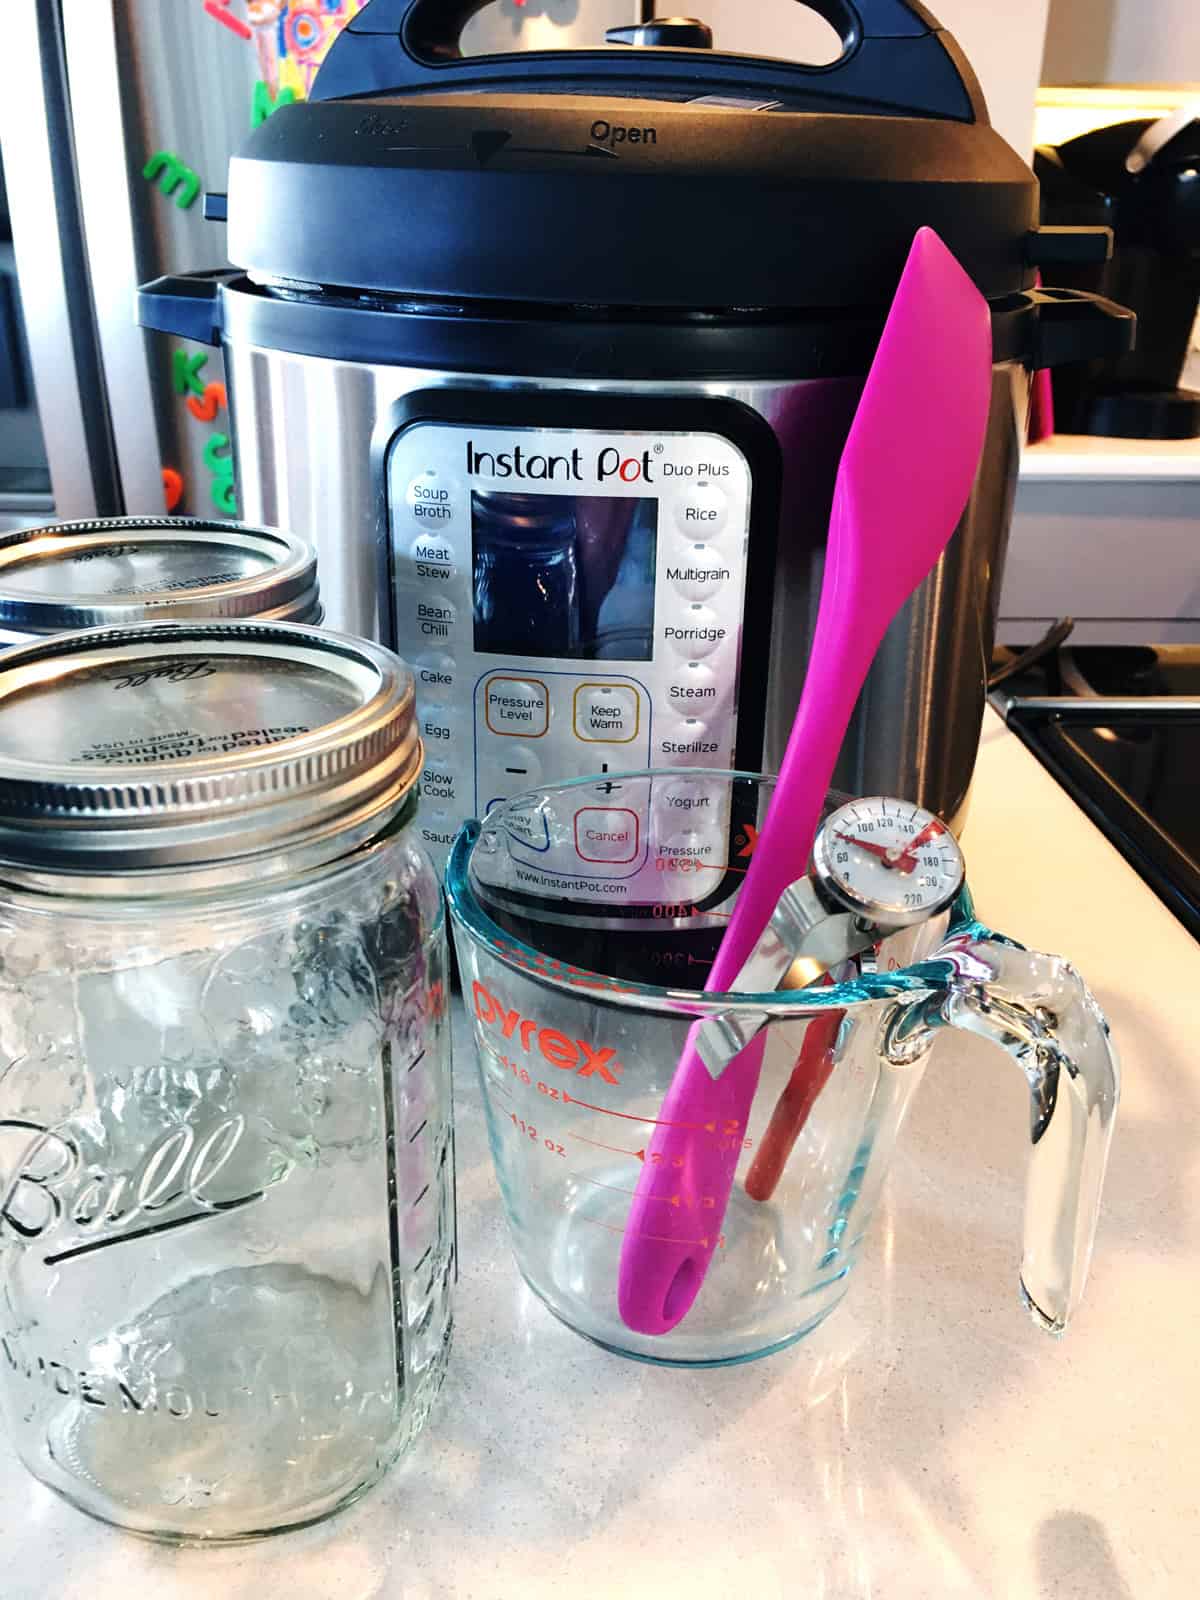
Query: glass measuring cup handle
1038	1009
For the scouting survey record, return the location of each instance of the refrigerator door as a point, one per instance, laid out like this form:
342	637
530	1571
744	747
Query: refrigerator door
67	464
162	93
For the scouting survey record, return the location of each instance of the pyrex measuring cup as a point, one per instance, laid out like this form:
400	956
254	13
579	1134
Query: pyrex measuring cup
585	916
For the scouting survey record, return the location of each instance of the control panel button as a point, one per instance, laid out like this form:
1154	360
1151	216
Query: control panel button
435	673
516	768
693	687
607	713
440	783
433	559
435	617
431	498
439	727
697	847
605	834
689	801
701	510
516	708
696	633
527	825
686	742
699	572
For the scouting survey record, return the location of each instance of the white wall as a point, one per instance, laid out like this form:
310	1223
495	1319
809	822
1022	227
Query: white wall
1003	40
545	24
1123	41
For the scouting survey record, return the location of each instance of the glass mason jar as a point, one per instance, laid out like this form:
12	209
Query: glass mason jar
116	571
227	1235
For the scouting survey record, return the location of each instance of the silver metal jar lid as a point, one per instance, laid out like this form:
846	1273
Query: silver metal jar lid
189	746
111	572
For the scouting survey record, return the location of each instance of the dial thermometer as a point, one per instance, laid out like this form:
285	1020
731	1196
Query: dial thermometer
889	862
878	865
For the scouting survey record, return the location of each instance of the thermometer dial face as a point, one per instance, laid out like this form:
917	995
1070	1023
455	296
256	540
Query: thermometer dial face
889	861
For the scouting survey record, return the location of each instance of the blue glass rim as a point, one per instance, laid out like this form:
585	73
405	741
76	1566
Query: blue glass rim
471	919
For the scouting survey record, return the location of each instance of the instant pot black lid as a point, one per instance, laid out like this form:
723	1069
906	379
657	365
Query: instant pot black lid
611	177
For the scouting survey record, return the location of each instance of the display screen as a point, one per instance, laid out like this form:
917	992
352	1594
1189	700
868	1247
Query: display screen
568	577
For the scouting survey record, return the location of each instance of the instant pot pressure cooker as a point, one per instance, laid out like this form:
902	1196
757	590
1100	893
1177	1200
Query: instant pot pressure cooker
552	355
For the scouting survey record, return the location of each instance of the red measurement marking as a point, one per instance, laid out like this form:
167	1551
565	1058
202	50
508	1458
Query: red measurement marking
614	1188
616	1148
696	1127
751	833
219	9
658	1238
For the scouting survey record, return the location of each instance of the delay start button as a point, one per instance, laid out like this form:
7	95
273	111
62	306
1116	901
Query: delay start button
608	834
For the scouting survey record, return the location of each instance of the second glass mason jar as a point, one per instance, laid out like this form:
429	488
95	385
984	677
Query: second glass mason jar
227	1237
115	572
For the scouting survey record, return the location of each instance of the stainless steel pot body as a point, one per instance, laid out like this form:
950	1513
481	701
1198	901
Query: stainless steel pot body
307	442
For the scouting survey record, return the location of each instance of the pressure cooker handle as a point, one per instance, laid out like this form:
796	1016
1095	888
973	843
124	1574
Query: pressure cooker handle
896	58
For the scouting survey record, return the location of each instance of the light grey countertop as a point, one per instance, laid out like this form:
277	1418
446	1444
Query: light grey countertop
926	1443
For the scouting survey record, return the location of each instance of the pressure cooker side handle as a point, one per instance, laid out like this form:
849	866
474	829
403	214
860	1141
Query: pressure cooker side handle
896	59
187	305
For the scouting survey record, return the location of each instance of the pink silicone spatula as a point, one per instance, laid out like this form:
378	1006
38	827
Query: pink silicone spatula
904	479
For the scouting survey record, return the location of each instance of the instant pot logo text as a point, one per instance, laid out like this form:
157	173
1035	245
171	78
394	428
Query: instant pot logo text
555	1048
608	466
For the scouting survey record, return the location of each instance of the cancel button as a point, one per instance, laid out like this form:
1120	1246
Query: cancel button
607	833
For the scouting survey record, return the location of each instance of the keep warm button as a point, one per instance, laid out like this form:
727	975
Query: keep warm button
606	834
517	707
607	713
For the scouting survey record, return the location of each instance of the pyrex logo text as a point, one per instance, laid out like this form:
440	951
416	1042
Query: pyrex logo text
530	466
569	1055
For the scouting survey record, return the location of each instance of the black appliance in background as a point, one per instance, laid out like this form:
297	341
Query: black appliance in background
1120	730
1142	179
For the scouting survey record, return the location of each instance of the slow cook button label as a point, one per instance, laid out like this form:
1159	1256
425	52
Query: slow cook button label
439	783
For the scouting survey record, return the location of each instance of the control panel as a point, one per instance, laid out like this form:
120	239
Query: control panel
572	604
